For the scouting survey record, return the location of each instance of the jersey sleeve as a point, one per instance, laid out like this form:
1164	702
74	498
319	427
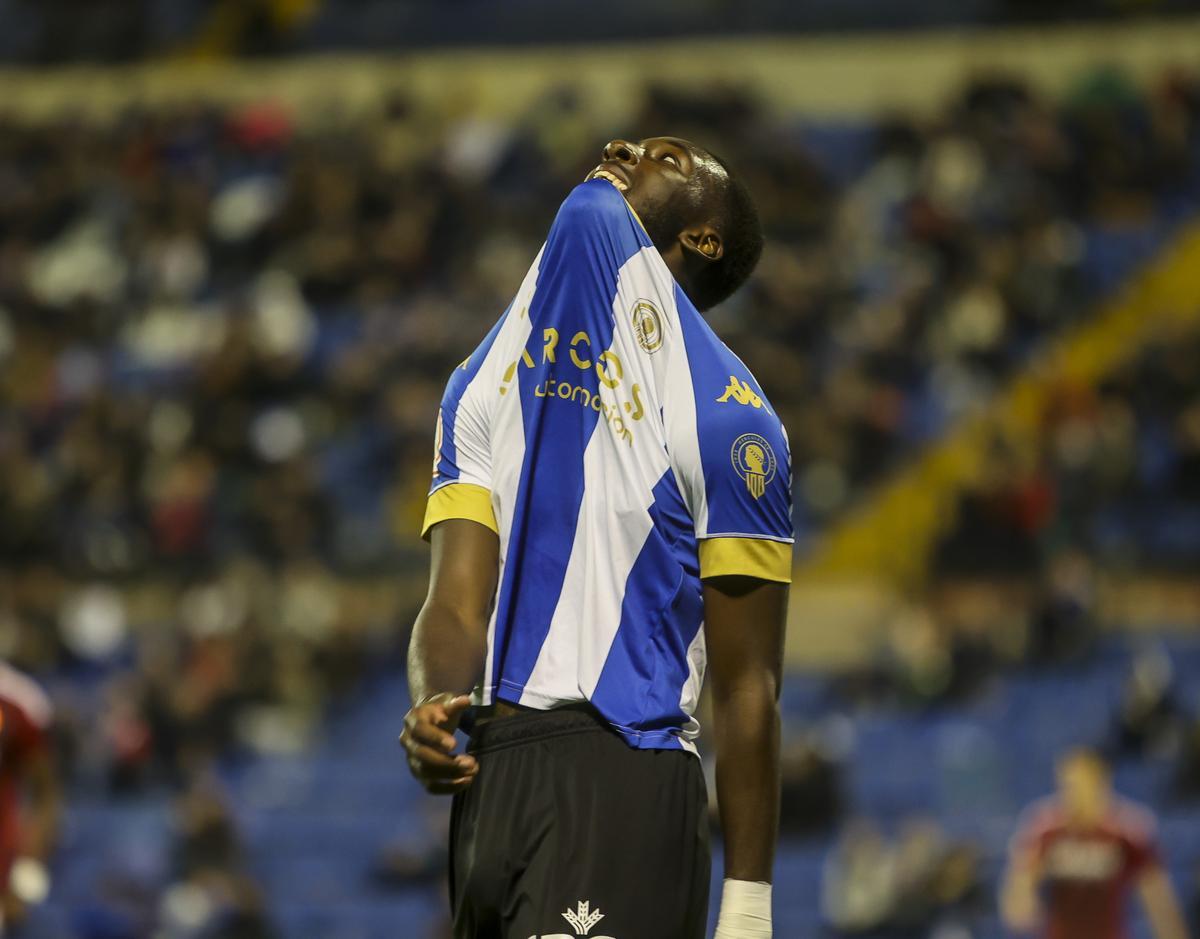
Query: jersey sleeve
1034	828
1141	839
462	477
27	736
734	465
747	491
25	715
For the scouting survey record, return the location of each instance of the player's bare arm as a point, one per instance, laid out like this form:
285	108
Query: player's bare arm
446	655
1019	906
1161	905
744	628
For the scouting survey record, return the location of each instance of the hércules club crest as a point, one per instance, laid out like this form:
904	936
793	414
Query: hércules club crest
582	919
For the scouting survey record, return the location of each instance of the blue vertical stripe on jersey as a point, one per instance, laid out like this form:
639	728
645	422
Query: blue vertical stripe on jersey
447	464
593	236
647	666
732	510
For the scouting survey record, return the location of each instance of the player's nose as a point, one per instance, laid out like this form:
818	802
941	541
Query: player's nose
622	151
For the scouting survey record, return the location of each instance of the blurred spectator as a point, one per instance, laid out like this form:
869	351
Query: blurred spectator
29	795
811	801
211	895
936	875
1089	850
928	658
873	887
924	662
1149	721
859	884
416	857
998	520
1187	776
1064	626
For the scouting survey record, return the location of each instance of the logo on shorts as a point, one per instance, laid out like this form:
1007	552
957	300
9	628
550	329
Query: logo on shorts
754	461
647	325
582	919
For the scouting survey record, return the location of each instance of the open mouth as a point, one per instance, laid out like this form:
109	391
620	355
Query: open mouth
601	173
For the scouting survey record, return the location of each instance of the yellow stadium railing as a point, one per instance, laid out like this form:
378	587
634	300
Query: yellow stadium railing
229	20
890	537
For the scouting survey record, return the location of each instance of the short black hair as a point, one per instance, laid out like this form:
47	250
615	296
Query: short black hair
735	216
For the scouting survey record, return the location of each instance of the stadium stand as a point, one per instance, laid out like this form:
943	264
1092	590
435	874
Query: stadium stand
223	332
58	31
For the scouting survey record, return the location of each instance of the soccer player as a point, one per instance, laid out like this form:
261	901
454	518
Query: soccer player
1086	850
26	778
610	509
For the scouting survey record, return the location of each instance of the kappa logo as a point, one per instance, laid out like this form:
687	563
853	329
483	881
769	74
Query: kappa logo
754	461
582	919
741	393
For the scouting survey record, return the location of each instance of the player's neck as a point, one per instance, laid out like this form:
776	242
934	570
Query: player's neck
679	264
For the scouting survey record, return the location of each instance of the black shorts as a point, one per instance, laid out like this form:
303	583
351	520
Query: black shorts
569	832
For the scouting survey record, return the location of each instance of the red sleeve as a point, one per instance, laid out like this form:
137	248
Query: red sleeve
23	737
1033	833
1141	840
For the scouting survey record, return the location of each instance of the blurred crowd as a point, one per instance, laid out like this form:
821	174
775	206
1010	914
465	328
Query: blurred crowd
878	886
903	875
224	334
1108	486
1114	472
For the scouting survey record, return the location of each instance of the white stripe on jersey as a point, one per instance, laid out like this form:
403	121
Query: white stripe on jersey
689	698
679	401
614	521
506	430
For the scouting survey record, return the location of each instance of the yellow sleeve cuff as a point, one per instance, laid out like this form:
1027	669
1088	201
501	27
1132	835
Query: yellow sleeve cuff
459	500
746	557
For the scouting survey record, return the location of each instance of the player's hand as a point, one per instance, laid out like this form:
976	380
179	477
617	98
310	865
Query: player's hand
428	739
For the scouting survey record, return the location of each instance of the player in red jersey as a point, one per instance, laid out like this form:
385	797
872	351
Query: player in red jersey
1077	857
29	801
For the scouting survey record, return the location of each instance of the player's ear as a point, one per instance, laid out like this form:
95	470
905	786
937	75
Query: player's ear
702	241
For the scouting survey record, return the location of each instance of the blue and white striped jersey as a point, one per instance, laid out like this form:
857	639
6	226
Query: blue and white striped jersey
621	452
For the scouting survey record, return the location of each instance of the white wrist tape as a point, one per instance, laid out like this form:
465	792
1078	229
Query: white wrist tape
745	911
